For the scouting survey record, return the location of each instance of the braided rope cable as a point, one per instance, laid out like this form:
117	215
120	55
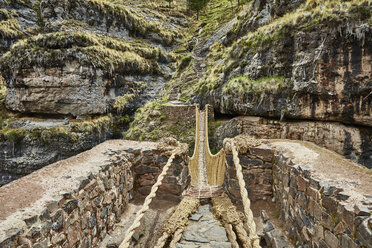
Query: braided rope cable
178	220
162	240
176	237
231	235
242	235
137	221
225	210
255	240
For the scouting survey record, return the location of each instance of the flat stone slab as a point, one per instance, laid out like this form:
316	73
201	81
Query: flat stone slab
187	246
210	245
197	237
195	217
204	230
216	233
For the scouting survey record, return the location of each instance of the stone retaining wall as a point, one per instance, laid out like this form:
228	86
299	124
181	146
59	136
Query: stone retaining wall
183	113
352	142
257	171
314	213
148	164
81	217
76	202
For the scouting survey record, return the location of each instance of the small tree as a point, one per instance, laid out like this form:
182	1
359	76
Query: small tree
170	2
197	5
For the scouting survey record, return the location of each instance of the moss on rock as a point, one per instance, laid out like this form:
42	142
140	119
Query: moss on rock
55	49
122	102
134	21
151	124
9	26
99	125
243	84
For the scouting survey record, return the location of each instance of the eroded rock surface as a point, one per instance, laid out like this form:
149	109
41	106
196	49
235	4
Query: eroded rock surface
28	145
86	57
305	64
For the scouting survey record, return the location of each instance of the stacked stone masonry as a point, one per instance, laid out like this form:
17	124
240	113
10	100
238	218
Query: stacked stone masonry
353	142
257	174
80	217
148	164
100	183
313	213
183	113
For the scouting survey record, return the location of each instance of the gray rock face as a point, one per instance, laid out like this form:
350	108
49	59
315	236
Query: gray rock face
119	21
39	147
262	11
68	91
67	72
20	17
318	88
366	232
317	71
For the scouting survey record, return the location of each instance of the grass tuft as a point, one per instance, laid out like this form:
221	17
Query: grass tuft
9	26
54	49
242	84
122	102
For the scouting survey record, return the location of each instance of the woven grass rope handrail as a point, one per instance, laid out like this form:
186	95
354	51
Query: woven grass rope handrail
254	239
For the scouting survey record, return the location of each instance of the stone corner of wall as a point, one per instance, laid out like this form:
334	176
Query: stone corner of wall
315	212
80	217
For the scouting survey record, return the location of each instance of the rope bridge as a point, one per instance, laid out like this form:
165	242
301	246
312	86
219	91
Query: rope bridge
207	173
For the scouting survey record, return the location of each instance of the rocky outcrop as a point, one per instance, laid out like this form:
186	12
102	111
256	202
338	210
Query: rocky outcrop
334	88
259	14
87	57
350	141
307	64
119	20
18	19
74	73
26	148
80	59
10	29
